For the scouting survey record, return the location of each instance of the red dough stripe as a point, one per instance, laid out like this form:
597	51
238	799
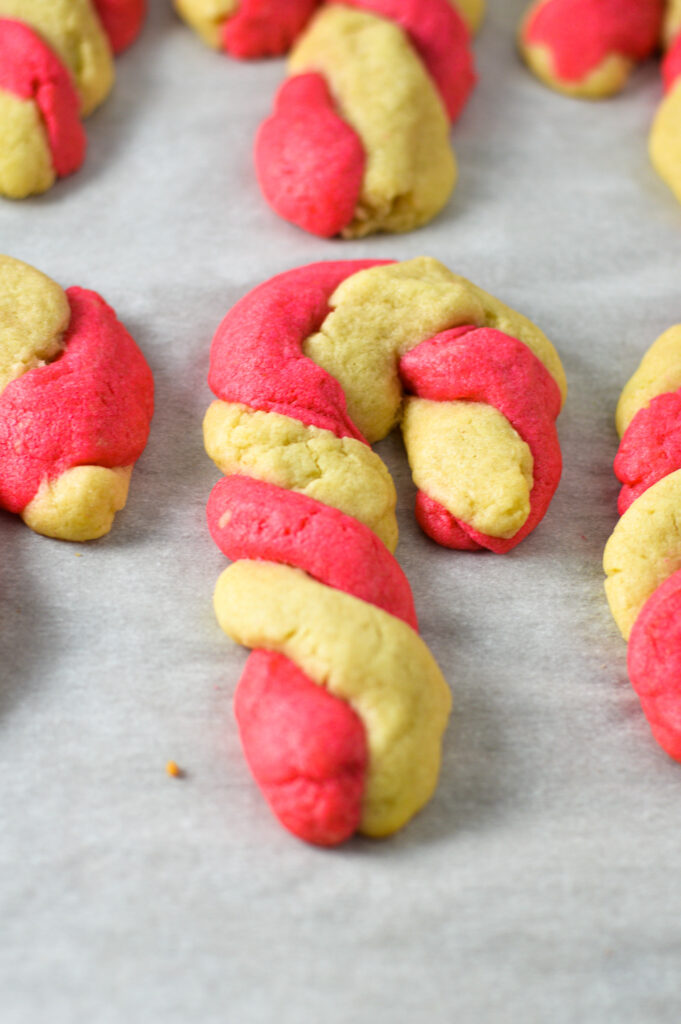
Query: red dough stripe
307	750
251	519
581	34
265	28
440	36
654	663
122	20
30	70
485	365
308	160
650	448
91	406
671	65
257	358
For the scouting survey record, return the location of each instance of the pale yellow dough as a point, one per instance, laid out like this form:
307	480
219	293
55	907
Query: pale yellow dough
34	313
664	144
472	12
206	17
25	159
281	450
658	373
383	91
672	21
80	504
73	30
361	654
468	457
644	550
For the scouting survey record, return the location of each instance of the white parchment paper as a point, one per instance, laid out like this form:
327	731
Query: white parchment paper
542	882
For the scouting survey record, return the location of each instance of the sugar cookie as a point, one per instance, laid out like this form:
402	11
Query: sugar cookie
308	369
358	140
76	400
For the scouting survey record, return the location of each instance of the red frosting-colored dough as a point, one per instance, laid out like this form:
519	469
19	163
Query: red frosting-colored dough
671	65
249	518
581	34
654	662
308	160
122	20
650	448
265	28
91	406
484	365
440	36
307	749
30	70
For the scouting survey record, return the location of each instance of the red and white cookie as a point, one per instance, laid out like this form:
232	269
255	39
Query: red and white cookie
341	708
76	401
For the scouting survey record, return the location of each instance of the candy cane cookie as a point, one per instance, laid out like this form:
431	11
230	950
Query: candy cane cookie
588	48
76	400
56	66
642	558
341	708
359	138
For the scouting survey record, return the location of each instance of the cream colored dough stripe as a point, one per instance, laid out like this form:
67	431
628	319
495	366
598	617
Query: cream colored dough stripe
25	157
206	17
34	313
644	550
658	373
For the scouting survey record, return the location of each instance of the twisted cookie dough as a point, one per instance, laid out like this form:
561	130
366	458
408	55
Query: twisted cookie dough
359	138
587	48
55	66
642	559
307	369
76	400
